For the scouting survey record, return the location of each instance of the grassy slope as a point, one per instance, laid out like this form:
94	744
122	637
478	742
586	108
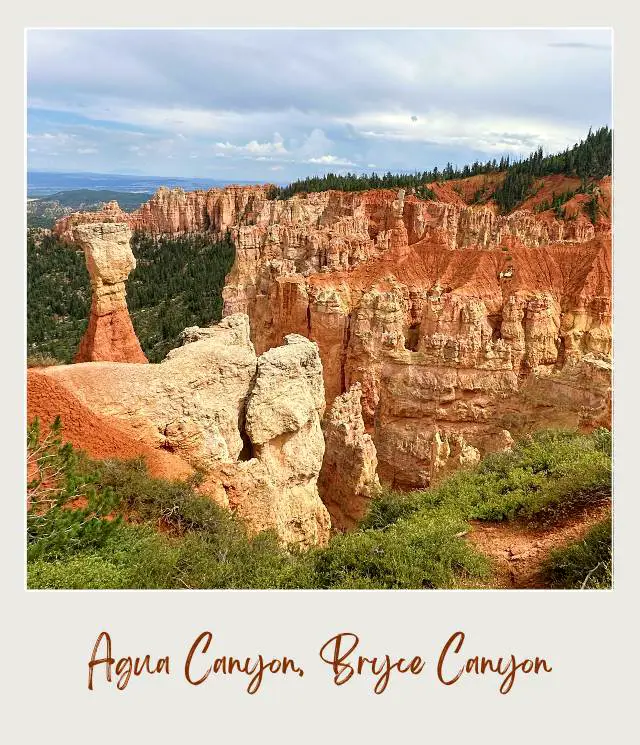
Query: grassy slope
411	540
585	564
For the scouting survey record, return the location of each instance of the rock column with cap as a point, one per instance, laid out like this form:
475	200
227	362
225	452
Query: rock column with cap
110	335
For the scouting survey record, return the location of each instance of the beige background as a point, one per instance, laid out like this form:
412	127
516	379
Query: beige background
588	637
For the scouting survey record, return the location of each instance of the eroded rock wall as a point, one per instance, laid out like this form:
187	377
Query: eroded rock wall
451	318
348	479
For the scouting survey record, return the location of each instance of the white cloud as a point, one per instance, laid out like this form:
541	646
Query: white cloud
256	148
494	134
87	150
331	160
315	144
310	100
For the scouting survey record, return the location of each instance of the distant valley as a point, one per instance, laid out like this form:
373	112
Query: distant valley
42	212
52	195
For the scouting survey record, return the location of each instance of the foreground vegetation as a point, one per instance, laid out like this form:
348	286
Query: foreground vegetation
585	564
177	283
167	535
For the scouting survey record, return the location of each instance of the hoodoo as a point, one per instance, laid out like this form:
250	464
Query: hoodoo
109	335
252	423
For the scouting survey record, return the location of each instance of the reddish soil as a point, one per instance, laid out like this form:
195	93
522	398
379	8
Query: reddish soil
463	191
96	435
519	550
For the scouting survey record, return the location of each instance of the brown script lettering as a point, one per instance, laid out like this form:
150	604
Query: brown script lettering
339	649
505	667
125	666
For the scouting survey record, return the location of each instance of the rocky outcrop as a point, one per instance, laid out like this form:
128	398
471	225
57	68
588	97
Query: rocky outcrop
110	212
463	327
348	479
174	211
253	423
277	487
109	334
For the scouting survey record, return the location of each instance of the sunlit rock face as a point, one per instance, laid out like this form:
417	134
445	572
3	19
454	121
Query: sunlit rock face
251	423
109	334
463	328
449	317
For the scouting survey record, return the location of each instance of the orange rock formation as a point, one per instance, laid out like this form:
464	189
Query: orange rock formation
449	316
97	435
252	423
348	479
109	335
463	327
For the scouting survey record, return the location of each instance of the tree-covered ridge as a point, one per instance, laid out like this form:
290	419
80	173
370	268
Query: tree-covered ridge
58	296
365	181
590	159
42	212
177	283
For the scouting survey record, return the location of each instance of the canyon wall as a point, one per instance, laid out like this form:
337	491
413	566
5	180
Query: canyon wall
348	479
462	328
451	319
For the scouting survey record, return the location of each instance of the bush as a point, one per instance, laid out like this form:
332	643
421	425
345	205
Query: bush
424	551
41	360
65	511
177	538
545	474
585	564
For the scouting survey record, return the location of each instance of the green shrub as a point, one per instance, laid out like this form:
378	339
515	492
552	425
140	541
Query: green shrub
41	360
83	572
390	506
547	472
412	540
585	564
66	513
175	502
424	551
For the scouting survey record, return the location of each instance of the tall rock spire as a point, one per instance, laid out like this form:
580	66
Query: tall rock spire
110	335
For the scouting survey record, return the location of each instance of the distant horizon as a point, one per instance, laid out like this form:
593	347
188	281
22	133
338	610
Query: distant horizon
42	183
70	172
140	174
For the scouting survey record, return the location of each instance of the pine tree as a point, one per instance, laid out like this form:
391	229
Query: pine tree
56	525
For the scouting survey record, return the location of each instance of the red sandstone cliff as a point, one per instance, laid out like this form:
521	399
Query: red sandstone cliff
449	316
461	326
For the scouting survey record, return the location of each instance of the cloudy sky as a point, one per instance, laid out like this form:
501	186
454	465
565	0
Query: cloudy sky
275	105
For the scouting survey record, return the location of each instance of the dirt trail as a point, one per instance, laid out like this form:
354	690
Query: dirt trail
519	549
